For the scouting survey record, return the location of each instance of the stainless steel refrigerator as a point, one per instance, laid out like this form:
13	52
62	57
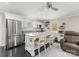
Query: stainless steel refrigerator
14	33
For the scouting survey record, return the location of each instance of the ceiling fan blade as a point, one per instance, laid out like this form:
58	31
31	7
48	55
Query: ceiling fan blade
47	6
54	8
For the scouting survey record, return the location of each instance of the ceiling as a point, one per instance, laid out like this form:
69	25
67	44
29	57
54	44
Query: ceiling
36	10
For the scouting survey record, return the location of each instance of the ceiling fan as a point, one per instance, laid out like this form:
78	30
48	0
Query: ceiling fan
48	5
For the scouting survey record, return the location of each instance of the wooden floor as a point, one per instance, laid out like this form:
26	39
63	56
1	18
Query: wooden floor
54	51
18	51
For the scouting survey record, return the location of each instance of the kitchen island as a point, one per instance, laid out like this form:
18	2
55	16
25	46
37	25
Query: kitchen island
35	40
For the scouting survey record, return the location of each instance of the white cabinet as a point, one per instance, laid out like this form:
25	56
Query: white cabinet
35	41
29	44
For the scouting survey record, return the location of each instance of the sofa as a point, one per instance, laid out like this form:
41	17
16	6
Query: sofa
70	43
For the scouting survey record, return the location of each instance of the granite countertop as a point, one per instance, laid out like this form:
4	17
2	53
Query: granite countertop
37	33
34	33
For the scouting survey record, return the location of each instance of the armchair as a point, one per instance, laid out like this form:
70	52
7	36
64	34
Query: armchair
70	43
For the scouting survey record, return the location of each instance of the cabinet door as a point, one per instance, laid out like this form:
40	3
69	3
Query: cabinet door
28	41
18	28
10	32
9	27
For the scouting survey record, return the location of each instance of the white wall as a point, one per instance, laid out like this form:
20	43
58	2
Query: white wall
2	29
72	23
14	16
27	25
30	25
